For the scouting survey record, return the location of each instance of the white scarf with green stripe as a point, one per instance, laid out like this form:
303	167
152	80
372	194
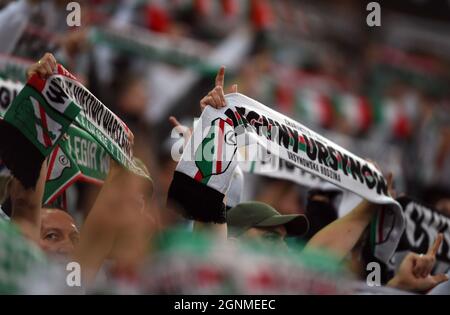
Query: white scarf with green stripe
211	154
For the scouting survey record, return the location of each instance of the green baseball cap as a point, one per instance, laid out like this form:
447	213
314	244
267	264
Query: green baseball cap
258	214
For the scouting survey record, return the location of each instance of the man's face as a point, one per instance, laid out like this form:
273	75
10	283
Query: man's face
59	234
274	236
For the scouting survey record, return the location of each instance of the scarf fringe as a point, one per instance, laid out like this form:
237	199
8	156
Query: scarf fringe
196	201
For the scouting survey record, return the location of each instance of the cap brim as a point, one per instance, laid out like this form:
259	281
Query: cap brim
295	224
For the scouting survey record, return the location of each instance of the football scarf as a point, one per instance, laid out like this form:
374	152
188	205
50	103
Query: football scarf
153	45
205	169
78	157
236	188
422	225
281	169
43	112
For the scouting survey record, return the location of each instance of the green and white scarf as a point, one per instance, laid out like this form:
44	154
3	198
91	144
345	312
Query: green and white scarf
281	169
77	157
151	45
44	111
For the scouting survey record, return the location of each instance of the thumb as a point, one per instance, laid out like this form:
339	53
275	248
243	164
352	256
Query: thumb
234	88
439	278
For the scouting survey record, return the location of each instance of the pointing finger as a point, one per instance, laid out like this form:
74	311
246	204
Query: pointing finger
437	243
220	78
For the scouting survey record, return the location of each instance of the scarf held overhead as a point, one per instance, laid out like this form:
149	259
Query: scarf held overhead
204	172
422	225
43	111
78	157
281	169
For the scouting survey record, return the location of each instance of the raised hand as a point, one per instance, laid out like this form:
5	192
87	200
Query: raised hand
182	130
216	97
414	273
425	263
44	67
185	131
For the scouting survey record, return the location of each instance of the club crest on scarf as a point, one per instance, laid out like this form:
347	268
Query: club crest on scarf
61	163
217	150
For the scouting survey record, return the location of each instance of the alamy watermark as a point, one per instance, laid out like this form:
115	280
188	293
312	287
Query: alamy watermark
74	16
73	278
221	142
374	17
373	278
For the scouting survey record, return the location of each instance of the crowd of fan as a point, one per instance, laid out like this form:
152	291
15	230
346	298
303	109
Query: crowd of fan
124	235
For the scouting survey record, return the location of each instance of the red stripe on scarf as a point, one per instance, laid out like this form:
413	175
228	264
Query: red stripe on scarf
198	176
47	140
37	82
52	162
219	149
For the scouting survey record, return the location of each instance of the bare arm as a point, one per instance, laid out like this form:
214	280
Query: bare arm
99	230
26	205
341	235
118	226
